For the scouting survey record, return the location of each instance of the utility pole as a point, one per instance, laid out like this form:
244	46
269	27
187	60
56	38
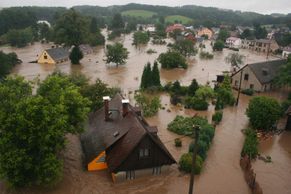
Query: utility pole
239	88
196	129
268	51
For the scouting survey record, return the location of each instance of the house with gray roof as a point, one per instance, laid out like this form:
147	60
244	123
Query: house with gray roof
118	139
257	76
54	56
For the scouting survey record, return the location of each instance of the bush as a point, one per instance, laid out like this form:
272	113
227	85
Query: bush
175	99
218	46
178	142
151	51
250	147
150	105
217	117
204	93
205	55
248	92
196	103
225	96
219	105
263	112
185	163
184	126
172	59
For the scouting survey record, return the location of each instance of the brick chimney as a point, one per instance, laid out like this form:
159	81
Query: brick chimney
106	100
125	103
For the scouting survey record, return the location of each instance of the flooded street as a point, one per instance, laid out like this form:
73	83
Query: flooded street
221	173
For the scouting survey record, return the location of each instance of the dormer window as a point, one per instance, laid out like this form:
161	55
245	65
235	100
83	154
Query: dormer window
45	56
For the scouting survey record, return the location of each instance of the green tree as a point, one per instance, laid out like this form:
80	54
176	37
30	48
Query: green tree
95	92
146	79
260	32
235	59
218	45
223	35
140	37
7	62
76	55
247	34
116	53
185	47
59	89
71	29
204	93
263	112
19	38
284	75
172	59
160	30
117	22
193	87
156	75
33	128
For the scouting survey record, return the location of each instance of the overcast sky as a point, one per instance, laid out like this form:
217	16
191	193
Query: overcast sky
261	6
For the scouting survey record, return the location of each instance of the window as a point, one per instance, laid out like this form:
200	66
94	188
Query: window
157	170
236	83
251	86
143	153
130	174
45	56
101	159
246	77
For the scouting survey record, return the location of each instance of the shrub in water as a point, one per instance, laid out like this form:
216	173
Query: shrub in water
178	142
248	92
185	163
217	117
250	147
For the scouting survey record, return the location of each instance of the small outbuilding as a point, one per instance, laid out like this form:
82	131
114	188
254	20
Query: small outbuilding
54	56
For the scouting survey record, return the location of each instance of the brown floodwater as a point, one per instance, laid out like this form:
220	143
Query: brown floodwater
221	171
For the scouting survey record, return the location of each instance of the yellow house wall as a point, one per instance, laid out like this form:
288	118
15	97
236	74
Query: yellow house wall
95	165
42	60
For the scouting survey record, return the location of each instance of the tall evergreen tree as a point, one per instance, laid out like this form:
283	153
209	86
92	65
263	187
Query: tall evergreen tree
146	80
76	55
156	75
193	87
143	78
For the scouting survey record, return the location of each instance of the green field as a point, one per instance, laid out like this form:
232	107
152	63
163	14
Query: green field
138	13
179	18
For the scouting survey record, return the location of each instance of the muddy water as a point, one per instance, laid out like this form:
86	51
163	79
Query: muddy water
221	172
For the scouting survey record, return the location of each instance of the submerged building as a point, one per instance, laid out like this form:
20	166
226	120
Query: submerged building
121	141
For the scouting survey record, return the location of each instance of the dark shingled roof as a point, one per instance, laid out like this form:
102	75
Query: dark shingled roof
131	129
58	53
266	71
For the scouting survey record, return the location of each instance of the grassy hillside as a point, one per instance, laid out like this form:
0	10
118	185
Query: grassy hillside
138	13
179	18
